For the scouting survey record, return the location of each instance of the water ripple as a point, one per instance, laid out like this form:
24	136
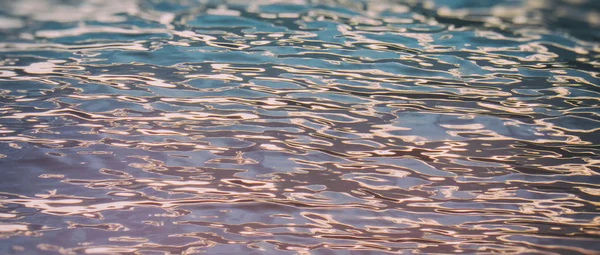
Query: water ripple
299	127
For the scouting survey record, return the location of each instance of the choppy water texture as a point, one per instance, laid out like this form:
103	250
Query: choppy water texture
251	127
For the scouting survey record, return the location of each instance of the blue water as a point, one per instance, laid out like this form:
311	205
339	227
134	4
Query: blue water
299	127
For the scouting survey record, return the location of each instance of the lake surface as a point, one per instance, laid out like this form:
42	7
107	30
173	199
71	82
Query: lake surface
299	127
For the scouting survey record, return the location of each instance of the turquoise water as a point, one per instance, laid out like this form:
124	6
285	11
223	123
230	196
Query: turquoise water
299	127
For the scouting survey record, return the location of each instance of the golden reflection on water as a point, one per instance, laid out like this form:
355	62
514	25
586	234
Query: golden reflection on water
299	127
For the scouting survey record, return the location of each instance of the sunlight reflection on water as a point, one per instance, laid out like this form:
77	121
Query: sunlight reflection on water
299	127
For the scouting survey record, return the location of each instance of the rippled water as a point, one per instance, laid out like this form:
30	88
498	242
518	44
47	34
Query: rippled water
322	127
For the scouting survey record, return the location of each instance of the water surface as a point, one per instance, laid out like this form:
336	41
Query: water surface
299	127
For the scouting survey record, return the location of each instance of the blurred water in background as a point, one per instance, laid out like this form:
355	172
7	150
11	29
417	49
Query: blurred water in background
299	127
